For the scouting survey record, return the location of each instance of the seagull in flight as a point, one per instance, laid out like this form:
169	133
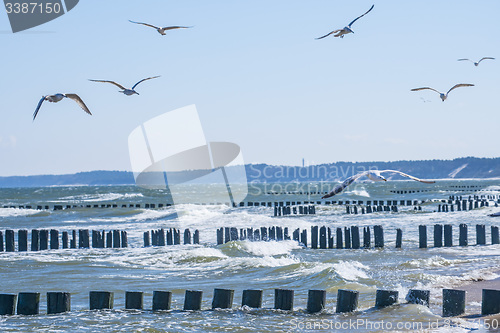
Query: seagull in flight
442	95
374	175
160	29
476	63
346	30
124	90
58	97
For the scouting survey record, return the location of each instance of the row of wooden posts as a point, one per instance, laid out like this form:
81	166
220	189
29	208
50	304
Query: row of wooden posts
171	236
295	210
349	237
43	239
28	303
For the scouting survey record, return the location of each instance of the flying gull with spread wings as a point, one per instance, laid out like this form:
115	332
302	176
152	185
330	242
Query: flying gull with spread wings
374	175
58	97
477	63
346	30
442	95
124	90
160	29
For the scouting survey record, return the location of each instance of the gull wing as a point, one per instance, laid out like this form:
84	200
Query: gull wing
38	107
357	18
175	27
424	88
79	101
149	78
328	34
465	59
112	82
459	85
484	58
147	25
411	177
339	188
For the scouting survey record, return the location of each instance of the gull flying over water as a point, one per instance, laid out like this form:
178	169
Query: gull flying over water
346	30
442	95
160	29
374	175
58	97
476	63
124	90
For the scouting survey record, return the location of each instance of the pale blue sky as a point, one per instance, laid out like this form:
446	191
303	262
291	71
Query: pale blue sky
258	78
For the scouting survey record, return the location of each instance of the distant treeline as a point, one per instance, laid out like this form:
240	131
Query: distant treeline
467	167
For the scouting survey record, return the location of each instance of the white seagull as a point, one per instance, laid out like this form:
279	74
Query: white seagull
374	175
58	97
124	90
346	30
445	96
160	29
476	63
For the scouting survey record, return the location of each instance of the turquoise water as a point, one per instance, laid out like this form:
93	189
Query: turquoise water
243	265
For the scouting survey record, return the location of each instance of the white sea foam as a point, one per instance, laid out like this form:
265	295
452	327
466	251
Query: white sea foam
351	270
271	248
13	212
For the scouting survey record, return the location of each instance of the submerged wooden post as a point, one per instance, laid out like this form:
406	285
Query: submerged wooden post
322	237
22	240
378	232
330	238
416	296
491	302
340	242
187	236
162	300
9	241
438	235
146	239
58	302
399	238
366	237
177	237
314	237
73	240
223	299
480	234
116	239
303	237
347	241
28	303
134	300
453	302
196	237
316	300
99	300
1	242
8	304
385	298
124	238
83	238
448	235
463	239
252	298
192	300
355	237
220	236
495	239
347	300
283	299
44	239
422	236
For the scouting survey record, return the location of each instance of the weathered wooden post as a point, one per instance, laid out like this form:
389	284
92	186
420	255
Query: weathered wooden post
314	237
116	239
54	239
227	235
146	239
8	304
330	238
491	302
283	299
416	296
124	238
316	300
340	242
58	302
399	238
95	239
256	235
463	239
252	298
220	236
162	300
22	240
438	235
28	303
422	236
187	236
170	237
347	300
322	237
385	298
495	239
9	241
44	239
83	238
448	235
355	237
99	300
134	300
366	237
453	302
303	237
196	237
480	234
263	234
234	234
1	242
378	233
192	300
223	299
347	241
272	233
73	240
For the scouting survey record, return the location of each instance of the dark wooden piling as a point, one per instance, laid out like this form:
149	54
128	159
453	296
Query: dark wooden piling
453	302
272	233
124	238
490	303
347	240
438	235
283	299
73	240
399	238
234	234
83	238
28	303
9	241
177	237
256	235
378	232
22	240
161	237
99	300
314	237
355	237
303	237
279	233
95	239
223	299
196	237
422	236
227	235
8	304
58	302
220	236
340	242
54	239
192	300
187	236
44	239
170	236
109	239
316	301
495	239
146	239
252	298
480	234
322	237
330	238
116	239
448	235
385	298
250	234
162	300
1	242
347	300
65	239
366	237
296	234
134	300
463	239
416	296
